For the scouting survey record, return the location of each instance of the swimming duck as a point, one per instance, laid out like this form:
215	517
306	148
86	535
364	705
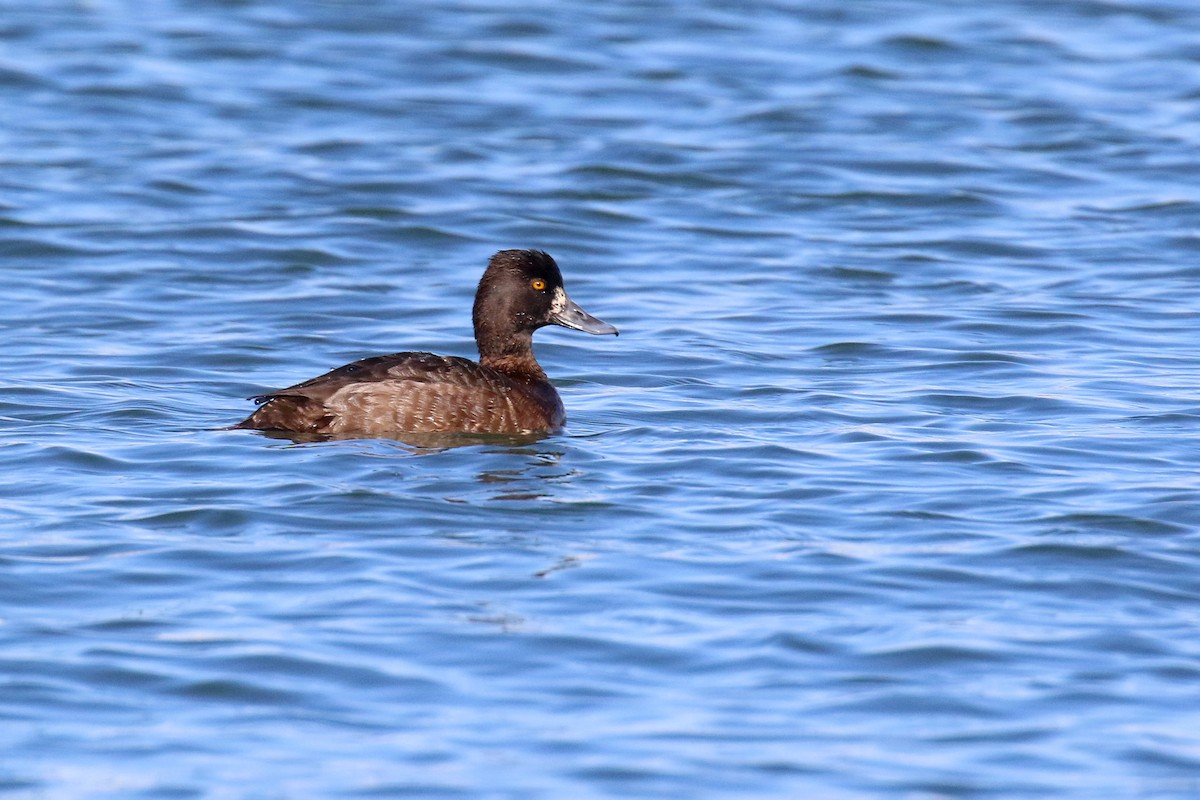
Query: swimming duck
506	392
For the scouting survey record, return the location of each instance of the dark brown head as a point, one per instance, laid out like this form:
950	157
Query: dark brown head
521	291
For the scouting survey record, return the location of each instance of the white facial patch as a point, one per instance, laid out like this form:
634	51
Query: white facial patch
559	302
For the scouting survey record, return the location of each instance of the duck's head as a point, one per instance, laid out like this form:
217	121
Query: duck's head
521	291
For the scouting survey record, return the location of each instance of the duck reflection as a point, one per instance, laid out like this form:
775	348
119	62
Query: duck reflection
534	480
533	472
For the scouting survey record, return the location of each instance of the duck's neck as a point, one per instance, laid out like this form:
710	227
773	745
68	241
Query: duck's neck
514	357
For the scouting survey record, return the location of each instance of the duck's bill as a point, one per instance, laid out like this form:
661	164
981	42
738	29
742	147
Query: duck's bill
570	315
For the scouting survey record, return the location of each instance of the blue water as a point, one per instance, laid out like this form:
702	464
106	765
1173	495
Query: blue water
889	488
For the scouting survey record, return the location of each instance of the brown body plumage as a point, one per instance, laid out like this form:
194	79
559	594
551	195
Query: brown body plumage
507	392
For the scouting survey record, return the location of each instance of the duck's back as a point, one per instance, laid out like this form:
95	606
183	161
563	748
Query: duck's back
411	393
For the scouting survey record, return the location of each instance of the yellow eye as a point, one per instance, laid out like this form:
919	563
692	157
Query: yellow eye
538	283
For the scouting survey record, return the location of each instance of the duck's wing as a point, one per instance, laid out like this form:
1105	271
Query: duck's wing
397	366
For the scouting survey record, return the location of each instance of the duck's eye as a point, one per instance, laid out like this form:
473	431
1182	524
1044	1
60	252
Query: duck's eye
538	283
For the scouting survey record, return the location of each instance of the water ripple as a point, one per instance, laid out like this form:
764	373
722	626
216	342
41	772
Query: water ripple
888	485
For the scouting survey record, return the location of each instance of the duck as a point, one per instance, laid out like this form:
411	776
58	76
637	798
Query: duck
505	392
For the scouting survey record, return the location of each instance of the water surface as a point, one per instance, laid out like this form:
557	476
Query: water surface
888	488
